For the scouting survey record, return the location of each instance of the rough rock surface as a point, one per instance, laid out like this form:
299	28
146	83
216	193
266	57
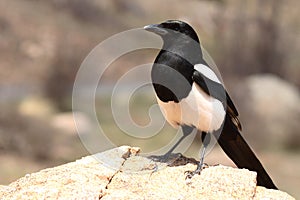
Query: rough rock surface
121	174
270	105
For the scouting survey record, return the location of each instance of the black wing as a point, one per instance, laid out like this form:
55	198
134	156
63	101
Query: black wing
217	91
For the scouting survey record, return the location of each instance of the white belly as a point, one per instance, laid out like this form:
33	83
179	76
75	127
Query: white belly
198	109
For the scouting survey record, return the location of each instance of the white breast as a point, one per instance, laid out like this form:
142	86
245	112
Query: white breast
197	109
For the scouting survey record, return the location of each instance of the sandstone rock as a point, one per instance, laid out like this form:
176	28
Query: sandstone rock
121	173
269	105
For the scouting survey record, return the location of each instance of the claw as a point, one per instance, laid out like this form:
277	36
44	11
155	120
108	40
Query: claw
190	174
205	165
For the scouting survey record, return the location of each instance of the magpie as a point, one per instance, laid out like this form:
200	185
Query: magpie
191	96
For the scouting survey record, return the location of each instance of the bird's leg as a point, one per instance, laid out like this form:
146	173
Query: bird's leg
205	140
205	137
186	130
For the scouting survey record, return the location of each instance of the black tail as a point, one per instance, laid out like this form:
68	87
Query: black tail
241	154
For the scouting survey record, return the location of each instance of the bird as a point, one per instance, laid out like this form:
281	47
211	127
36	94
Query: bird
191	96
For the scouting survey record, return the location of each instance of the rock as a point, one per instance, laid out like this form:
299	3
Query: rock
36	106
263	193
269	105
121	173
65	122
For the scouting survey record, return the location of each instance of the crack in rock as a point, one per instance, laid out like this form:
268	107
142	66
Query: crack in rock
131	151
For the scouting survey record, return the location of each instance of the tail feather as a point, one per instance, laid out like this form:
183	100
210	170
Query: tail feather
241	154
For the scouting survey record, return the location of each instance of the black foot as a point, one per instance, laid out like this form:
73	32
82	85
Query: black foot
190	174
166	158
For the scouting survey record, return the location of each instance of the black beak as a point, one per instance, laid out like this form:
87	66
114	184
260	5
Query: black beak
155	28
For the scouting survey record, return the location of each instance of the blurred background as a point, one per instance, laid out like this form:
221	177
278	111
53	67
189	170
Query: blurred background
255	44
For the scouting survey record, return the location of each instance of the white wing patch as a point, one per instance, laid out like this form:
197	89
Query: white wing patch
197	109
206	71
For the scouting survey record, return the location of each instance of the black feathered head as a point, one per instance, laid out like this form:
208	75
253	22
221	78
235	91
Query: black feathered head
172	28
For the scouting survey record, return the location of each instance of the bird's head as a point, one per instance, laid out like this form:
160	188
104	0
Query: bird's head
178	38
171	29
